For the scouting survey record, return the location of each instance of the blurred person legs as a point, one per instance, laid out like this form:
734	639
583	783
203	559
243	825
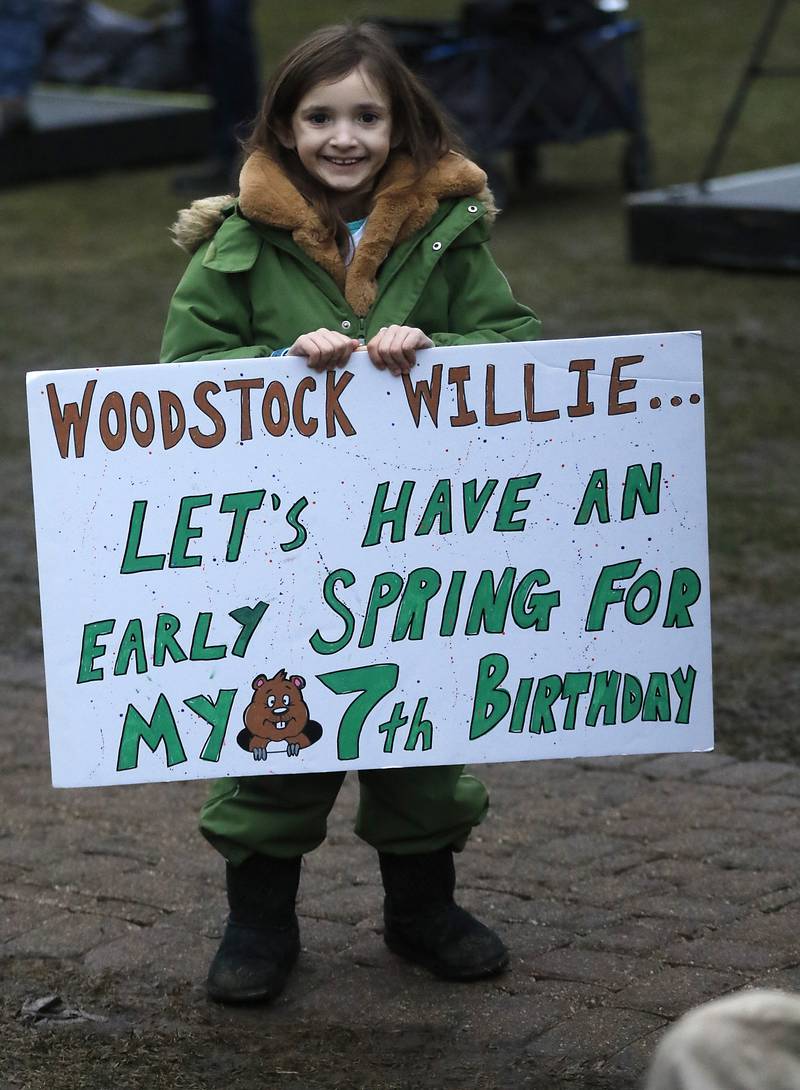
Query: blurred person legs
224	56
21	46
747	1041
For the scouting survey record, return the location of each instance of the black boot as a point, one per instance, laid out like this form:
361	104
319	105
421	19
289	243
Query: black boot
422	922
261	940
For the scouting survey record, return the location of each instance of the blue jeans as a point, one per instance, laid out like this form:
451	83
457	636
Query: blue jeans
21	45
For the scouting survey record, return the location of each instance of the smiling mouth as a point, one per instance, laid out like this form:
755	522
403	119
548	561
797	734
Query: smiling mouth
342	162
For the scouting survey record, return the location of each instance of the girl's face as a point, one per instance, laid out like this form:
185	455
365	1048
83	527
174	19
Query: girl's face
342	133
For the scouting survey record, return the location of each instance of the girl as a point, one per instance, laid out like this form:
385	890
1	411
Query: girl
355	215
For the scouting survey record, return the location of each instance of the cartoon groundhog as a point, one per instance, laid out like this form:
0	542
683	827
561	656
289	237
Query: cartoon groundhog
277	713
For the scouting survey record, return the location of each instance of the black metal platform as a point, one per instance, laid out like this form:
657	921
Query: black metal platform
746	221
81	131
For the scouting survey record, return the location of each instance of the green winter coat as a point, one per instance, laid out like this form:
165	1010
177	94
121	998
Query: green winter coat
268	273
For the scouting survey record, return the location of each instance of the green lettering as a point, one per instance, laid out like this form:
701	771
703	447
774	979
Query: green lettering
452	603
392	725
422	584
164	642
491	703
656	700
595	498
132	643
475	505
510	503
184	532
575	685
200	650
420	728
318	641
217	716
548	690
532	610
649	581
489	605
293	519
517	724
604	695
91	650
439	507
384	592
248	617
684	687
684	590
631	702
131	561
395	516
239	504
606	594
373	683
161	728
638	489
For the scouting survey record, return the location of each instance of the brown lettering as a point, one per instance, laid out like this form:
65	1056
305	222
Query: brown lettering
140	402
199	438
429	392
113	403
305	427
493	418
531	413
70	420
275	394
457	376
244	386
333	410
619	385
169	403
583	406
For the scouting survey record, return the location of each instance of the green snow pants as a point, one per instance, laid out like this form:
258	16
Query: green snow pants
404	811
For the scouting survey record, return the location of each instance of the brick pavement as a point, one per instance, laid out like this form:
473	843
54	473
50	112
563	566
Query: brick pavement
629	889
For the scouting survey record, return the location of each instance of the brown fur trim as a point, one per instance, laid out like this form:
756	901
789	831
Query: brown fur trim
198	222
267	196
403	204
486	197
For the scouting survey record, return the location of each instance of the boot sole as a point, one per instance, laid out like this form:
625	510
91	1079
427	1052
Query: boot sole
440	969
263	991
240	999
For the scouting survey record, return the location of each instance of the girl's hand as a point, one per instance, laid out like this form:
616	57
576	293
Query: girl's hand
395	347
324	348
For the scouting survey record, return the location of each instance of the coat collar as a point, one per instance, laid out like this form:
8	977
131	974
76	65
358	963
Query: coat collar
403	204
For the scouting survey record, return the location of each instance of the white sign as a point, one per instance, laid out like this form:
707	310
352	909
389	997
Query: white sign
248	568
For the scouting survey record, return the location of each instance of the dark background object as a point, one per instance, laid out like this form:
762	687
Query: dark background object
747	221
754	69
515	75
78	132
88	43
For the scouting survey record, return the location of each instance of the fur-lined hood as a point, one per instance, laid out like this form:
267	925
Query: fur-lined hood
402	206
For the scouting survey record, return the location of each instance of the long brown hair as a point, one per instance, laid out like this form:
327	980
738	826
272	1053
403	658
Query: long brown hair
420	129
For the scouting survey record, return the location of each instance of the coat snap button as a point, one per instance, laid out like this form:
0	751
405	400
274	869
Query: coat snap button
345	324
436	246
473	208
